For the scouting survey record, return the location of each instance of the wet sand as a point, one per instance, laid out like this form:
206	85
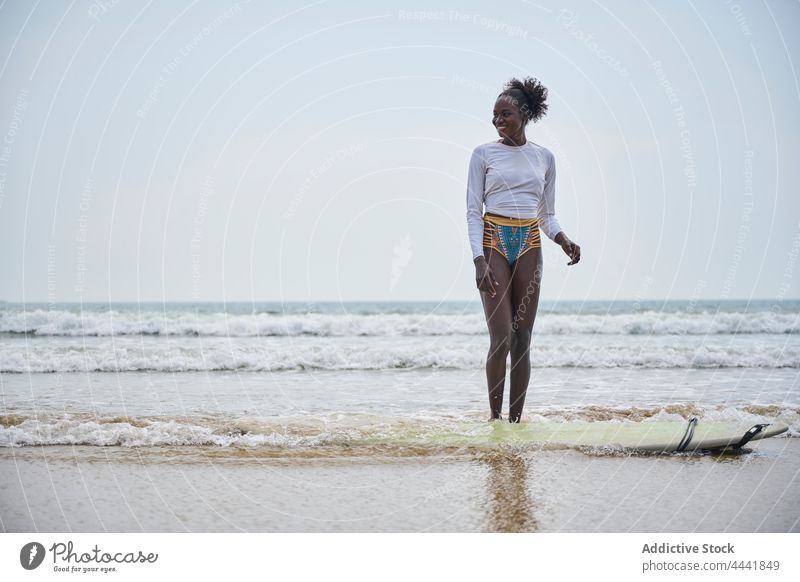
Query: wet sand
197	489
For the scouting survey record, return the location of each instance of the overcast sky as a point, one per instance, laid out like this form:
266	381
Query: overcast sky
291	151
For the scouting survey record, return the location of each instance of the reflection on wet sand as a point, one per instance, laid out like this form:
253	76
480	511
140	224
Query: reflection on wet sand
510	508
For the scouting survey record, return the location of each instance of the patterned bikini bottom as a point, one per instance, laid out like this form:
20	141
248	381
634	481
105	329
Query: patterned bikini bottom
511	237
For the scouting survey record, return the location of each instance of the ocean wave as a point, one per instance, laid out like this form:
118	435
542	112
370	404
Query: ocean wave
182	323
341	428
317	354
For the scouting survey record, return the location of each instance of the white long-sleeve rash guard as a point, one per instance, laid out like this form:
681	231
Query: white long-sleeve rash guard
516	181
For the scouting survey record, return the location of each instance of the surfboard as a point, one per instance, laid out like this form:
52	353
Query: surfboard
650	436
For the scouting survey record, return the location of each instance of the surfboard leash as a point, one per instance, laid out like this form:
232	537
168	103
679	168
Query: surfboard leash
750	434
687	436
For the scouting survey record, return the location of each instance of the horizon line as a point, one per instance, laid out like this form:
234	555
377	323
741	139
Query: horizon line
199	301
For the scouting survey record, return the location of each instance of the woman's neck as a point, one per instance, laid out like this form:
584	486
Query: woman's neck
511	143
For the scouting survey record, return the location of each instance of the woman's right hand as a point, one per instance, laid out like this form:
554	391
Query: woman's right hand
484	279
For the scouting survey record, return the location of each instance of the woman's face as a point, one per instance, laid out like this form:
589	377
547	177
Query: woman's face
507	118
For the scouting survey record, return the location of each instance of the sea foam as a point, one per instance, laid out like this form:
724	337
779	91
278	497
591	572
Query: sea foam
40	322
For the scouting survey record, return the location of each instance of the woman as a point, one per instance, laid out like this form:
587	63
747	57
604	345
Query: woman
515	179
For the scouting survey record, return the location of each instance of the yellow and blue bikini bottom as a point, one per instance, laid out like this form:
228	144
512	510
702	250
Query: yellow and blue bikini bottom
511	237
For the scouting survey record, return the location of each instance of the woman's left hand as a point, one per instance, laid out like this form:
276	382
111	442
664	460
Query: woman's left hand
572	250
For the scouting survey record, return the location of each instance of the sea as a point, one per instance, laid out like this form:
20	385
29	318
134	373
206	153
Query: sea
330	417
307	374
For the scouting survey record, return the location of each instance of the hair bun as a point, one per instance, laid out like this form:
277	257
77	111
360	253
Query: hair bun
530	94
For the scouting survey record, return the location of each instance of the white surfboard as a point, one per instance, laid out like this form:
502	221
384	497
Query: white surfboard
658	436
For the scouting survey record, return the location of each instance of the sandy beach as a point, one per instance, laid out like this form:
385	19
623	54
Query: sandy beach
85	489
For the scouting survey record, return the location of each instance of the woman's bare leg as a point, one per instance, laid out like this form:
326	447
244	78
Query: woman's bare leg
498	319
526	279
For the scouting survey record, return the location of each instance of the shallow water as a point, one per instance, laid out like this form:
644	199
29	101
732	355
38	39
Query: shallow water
64	488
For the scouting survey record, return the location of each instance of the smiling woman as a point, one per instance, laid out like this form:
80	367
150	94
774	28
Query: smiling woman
515	180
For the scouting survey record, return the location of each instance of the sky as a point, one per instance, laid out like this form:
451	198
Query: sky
293	151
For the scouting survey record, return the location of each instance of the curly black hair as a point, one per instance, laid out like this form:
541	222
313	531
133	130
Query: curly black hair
529	95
